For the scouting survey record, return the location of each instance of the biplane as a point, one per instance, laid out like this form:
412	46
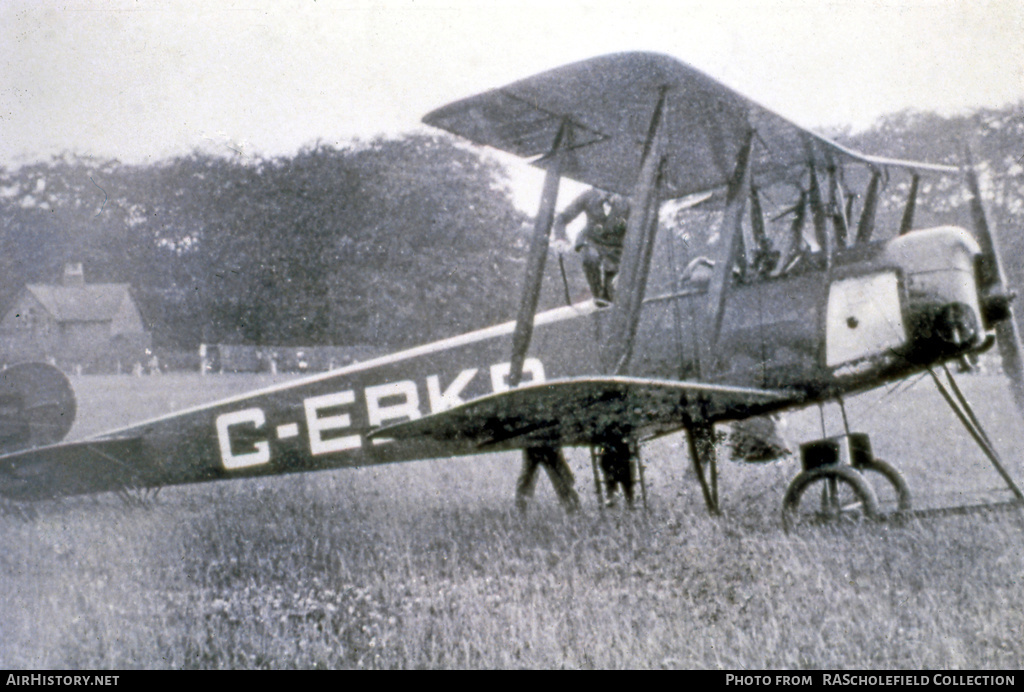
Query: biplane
823	308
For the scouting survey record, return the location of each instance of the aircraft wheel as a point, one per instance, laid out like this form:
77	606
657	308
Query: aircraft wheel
900	495
842	495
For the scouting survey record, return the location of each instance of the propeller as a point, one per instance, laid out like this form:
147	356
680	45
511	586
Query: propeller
996	296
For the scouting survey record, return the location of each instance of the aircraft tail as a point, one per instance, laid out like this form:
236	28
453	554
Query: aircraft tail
37	406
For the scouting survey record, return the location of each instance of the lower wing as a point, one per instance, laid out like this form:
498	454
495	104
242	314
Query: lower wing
582	411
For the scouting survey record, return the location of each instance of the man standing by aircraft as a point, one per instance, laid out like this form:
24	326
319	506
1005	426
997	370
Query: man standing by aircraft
600	241
600	244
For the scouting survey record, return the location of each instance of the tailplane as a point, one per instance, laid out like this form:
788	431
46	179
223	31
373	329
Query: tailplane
37	406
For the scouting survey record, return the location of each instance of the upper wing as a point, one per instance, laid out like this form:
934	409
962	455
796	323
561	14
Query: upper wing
582	411
607	103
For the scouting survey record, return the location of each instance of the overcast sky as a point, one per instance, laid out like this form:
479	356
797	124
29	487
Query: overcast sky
145	80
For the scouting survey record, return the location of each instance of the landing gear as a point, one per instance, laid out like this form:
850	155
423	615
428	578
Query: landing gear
616	463
838	468
553	461
701	440
892	499
844	497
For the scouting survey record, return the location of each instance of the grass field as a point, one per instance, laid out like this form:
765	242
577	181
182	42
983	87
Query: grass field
425	565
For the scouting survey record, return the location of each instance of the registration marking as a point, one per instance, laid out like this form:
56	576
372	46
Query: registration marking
329	416
287	431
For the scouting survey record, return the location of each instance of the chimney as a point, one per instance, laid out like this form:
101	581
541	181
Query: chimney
73	275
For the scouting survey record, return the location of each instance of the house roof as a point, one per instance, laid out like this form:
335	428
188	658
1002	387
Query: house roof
88	303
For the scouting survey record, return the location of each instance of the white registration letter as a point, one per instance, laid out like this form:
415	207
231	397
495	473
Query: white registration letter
261	449
409	407
317	425
500	371
442	401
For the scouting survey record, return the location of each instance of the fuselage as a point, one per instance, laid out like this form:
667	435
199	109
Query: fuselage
877	311
874	313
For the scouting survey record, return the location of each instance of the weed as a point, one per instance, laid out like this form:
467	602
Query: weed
425	565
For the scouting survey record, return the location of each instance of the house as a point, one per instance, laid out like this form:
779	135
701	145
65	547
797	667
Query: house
93	326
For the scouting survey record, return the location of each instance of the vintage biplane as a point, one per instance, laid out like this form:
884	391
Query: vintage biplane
786	319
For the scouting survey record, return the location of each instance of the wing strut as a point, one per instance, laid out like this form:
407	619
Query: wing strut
551	458
867	216
538	255
761	242
821	234
732	231
637	249
907	223
837	206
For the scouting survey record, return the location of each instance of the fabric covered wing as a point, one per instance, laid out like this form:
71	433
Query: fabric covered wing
607	103
581	411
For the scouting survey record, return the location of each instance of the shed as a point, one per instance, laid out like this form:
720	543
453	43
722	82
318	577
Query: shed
95	326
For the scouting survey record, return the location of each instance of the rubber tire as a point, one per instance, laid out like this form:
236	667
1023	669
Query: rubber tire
843	474
896	480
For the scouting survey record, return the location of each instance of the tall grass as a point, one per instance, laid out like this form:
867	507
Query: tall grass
425	566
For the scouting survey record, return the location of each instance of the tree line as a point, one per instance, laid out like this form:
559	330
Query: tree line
390	242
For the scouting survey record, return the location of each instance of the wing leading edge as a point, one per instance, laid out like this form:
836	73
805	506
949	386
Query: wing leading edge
582	411
607	103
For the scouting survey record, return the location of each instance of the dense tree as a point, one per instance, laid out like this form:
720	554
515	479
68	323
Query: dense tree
389	242
995	138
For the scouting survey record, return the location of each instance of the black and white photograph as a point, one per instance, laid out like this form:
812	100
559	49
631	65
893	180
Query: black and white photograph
574	334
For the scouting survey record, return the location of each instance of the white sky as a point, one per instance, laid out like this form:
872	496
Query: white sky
145	80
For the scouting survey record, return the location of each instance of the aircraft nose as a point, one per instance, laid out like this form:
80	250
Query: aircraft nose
955	325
